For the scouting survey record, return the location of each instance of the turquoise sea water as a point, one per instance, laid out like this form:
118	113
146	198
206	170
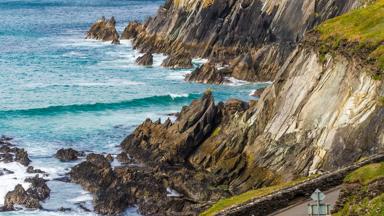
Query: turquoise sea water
58	90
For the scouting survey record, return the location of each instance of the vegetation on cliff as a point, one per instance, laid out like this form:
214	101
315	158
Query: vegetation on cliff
366	174
248	196
364	28
363	192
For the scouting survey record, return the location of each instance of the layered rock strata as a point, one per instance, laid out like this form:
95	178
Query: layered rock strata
255	36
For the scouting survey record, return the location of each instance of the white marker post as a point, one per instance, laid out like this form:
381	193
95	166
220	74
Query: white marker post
318	209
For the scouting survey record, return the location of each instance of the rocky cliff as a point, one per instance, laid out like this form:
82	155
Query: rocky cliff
323	111
251	37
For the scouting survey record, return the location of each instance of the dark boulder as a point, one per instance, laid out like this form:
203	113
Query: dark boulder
146	59
31	169
10	153
258	92
178	61
68	154
104	30
21	156
39	188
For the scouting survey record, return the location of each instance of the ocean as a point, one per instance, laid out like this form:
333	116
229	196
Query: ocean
58	90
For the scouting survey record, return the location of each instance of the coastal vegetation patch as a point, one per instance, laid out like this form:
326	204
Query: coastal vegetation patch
366	174
250	195
359	31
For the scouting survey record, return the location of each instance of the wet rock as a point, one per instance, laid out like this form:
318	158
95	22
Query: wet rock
5	171
104	30
62	209
115	41
132	30
178	61
20	197
21	156
209	73
30	198
9	153
65	179
39	188
146	59
70	154
31	169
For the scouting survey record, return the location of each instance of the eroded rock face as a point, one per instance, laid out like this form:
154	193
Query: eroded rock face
179	61
146	59
260	34
104	30
69	154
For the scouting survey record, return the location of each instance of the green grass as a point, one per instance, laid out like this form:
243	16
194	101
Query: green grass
374	207
247	196
216	132
366	174
364	26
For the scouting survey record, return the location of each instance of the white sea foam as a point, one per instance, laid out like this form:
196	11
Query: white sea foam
172	193
199	61
158	59
234	82
178	75
109	82
84	197
74	54
9	181
174	96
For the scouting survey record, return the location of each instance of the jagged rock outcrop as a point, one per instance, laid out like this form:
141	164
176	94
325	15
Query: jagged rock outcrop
259	34
146	59
104	30
121	187
69	154
30	198
10	153
318	115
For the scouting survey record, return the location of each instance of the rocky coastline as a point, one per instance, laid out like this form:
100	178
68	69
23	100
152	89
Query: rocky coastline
320	113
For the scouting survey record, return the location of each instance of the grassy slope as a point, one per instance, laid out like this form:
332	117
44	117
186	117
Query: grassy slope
365	26
364	176
374	207
247	196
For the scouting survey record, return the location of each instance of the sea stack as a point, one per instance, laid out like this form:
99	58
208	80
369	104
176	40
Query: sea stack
104	30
